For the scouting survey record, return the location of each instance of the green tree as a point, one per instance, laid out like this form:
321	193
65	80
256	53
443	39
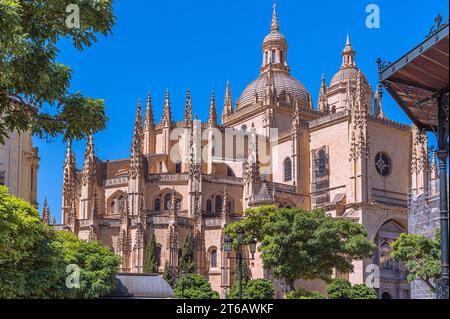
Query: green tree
194	286
342	289
98	266
31	260
34	257
252	289
187	257
420	255
361	291
150	264
168	275
246	277
30	74
299	244
339	289
303	294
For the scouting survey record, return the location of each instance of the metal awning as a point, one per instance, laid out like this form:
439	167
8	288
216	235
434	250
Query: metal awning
417	78
141	286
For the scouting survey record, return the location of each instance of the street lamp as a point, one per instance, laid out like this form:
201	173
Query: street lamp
228	247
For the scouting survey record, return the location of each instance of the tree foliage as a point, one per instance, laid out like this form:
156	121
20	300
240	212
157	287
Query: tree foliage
30	74
246	277
339	289
187	264
257	289
150	264
300	244
343	289
361	291
97	263
34	257
303	294
168	275
194	286
420	255
31	260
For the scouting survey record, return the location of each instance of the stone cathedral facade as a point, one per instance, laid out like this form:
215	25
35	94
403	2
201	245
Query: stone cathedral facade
342	155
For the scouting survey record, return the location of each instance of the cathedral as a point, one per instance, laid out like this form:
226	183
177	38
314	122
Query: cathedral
274	146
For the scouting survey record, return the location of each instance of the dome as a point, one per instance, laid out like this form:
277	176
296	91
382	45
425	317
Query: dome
274	36
344	73
283	83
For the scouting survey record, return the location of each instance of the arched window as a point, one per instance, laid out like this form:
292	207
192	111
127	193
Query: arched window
161	167
322	163
208	206
112	208
288	170
213	258
167	201
178	168
281	57
218	204
178	204
274	56
333	109
121	203
157	205
158	255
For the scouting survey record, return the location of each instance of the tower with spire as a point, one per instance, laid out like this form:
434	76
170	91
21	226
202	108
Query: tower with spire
149	129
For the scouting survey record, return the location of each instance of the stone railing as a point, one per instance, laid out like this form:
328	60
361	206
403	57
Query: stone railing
109	222
223	180
328	118
168	178
158	220
61	227
285	188
116	181
84	222
212	222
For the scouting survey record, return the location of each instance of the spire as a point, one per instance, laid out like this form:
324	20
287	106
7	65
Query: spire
348	54
46	213
323	96
274	27
89	168
69	170
275	47
149	122
212	119
167	113
379	103
360	94
434	170
136	147
138	129
188	109
228	103
349	96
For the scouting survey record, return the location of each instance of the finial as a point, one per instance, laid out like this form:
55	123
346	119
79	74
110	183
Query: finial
149	112
188	108
275	27
348	40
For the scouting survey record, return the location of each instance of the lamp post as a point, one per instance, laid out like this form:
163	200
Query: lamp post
228	247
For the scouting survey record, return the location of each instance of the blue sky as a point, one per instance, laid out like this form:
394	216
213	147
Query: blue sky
201	44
